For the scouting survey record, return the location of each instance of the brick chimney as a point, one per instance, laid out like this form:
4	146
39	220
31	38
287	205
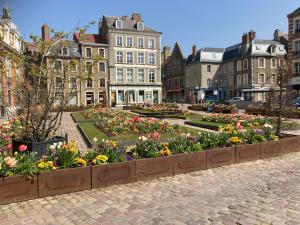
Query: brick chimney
194	50
45	32
137	17
252	35
245	38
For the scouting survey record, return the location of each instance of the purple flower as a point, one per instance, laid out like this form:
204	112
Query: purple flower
259	131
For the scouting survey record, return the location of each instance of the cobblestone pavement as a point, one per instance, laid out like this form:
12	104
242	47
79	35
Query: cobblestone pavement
260	192
68	126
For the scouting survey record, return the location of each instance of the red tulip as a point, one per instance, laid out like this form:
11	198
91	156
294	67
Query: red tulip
22	148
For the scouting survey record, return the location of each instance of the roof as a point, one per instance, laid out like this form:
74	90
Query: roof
209	49
206	54
265	42
128	23
71	45
297	11
88	38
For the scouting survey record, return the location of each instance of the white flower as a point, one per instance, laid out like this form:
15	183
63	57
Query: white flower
142	138
60	143
268	126
199	133
52	147
188	134
95	139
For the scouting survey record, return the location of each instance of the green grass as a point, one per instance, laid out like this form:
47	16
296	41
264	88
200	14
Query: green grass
199	121
92	131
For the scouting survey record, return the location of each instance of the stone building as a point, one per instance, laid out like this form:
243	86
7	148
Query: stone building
173	75
10	43
164	58
202	74
294	48
133	60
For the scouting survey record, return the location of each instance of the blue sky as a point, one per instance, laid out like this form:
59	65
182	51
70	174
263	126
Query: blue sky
206	23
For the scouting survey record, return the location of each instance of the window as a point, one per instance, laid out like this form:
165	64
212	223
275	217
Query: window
208	82
129	75
12	39
89	96
140	26
101	52
72	66
89	67
88	52
151	43
73	82
151	58
119	24
120	75
273	78
141	96
129	57
101	96
89	83
297	47
261	78
140	58
239	79
245	64
119	57
297	26
148	96
102	82
58	65
131	94
209	68
261	63
58	82
151	76
238	66
102	66
297	69
119	41
245	79
120	96
272	49
64	51
140	42
273	63
129	42
141	75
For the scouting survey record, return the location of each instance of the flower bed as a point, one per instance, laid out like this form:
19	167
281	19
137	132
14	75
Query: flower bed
207	107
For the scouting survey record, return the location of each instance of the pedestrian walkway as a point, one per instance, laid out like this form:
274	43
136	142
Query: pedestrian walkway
264	192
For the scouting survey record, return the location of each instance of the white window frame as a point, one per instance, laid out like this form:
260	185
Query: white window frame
239	65
264	66
271	78
131	57
62	65
130	81
209	82
119	69
153	60
258	78
99	67
70	86
138	42
151	72
140	81
129	37
141	24
117	41
149	45
86	66
62	51
239	79
273	66
86	52
88	82
245	67
101	78
117	56
142	54
104	53
120	22
245	78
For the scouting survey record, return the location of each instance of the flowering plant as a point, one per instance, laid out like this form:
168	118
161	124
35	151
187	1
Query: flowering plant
183	144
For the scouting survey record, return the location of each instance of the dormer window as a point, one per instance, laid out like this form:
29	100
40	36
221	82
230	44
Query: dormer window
64	51
119	24
140	26
272	49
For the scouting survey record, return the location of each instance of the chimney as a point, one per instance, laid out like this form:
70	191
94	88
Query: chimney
137	17
194	50
245	38
45	32
252	35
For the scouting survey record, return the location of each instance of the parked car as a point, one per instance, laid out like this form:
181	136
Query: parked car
296	102
235	99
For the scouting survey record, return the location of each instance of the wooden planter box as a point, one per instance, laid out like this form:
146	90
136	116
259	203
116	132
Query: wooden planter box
248	152
63	181
189	162
291	144
17	188
272	148
154	167
115	173
220	157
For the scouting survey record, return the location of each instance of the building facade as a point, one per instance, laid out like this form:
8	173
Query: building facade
173	70
10	43
133	60
294	48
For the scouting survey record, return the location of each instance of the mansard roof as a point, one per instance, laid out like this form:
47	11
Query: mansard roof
206	54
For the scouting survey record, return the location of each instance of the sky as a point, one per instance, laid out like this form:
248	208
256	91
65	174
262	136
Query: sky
206	23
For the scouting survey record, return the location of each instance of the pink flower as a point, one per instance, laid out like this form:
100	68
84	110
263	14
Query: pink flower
11	162
239	126
22	148
155	135
9	146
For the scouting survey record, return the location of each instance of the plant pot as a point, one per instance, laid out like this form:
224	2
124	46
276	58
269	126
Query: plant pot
247	152
291	144
40	147
17	188
189	162
272	148
63	181
220	157
115	173
154	167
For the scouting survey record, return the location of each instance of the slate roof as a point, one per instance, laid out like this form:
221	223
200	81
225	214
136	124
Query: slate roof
128	23
89	38
297	11
209	49
72	46
265	42
199	58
